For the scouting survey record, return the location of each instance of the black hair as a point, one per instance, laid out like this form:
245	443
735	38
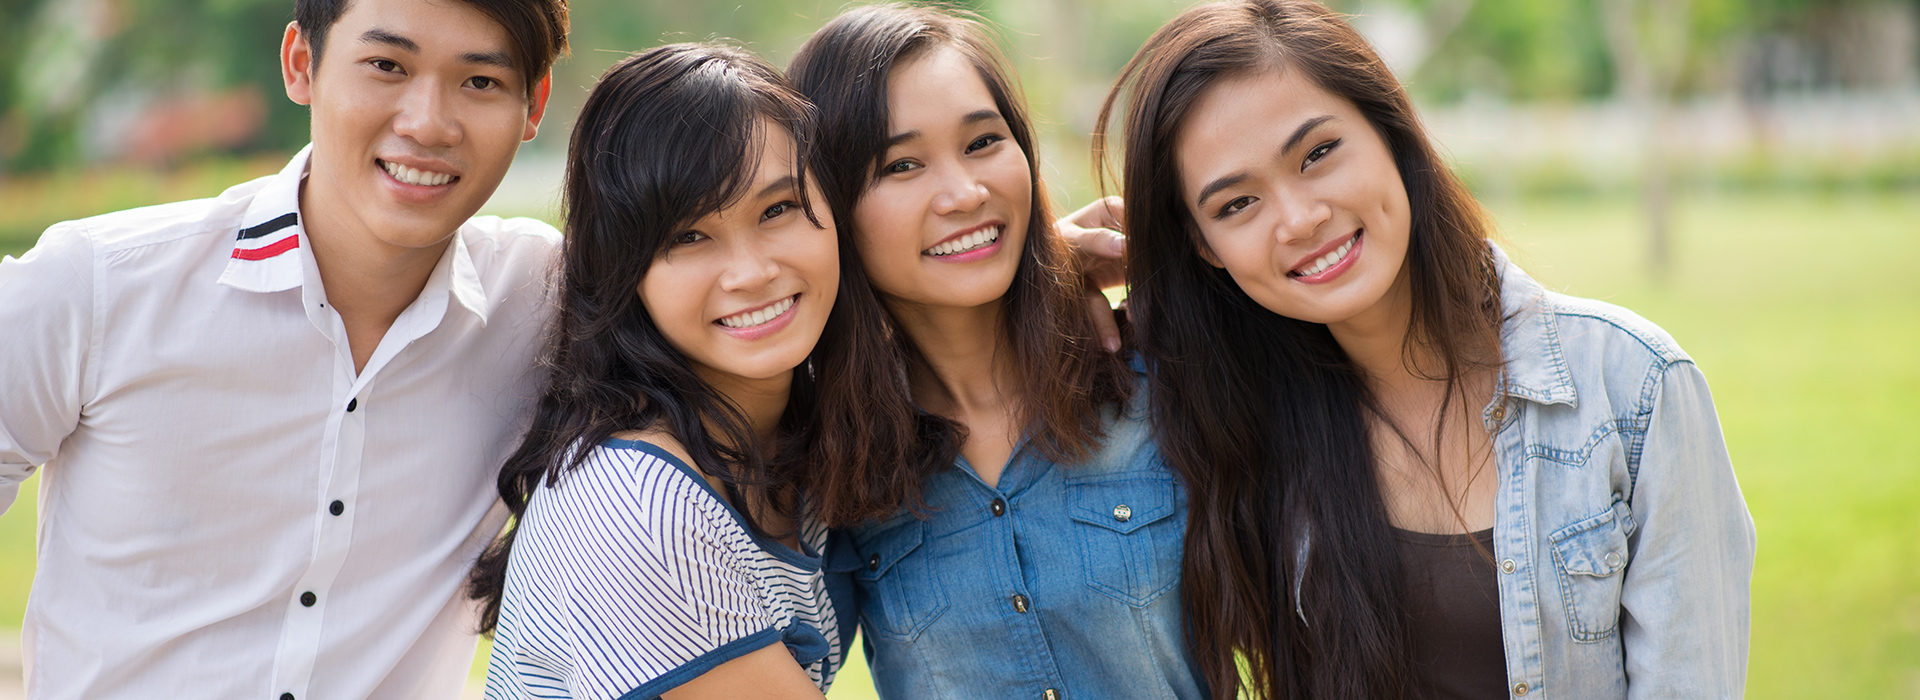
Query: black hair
536	29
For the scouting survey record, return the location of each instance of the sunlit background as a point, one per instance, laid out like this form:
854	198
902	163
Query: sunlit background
1745	173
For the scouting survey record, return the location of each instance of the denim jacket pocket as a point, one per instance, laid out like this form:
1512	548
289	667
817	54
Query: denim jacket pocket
1591	558
1129	543
901	596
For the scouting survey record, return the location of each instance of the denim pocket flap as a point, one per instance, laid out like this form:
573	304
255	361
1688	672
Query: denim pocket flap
1122	505
879	552
1591	547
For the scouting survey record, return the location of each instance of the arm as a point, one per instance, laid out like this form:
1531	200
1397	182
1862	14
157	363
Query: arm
1099	251
46	321
1685	607
767	674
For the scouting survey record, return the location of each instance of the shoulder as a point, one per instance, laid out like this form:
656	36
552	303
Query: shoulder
1599	327
215	218
519	235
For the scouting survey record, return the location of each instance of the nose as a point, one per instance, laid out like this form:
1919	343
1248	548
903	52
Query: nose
960	192
427	116
750	266
1300	216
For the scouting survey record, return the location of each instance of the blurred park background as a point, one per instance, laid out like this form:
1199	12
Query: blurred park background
1745	173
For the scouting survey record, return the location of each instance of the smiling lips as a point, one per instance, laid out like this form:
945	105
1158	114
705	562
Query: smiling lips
416	176
760	316
967	243
1329	264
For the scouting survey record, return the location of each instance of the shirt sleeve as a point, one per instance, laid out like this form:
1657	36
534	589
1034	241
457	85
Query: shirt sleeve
46	322
659	595
1685	601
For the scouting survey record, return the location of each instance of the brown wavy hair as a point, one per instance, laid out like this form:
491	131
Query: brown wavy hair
1290	560
1068	377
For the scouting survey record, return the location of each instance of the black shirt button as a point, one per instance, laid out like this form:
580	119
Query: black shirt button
336	507
999	507
308	599
286	696
873	563
352	404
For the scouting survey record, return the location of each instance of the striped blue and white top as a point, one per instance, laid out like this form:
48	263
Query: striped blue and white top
631	576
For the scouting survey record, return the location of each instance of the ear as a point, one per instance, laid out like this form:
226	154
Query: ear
1206	252
538	108
296	65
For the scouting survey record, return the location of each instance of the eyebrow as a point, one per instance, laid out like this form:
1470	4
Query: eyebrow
1299	134
376	35
787	183
972	118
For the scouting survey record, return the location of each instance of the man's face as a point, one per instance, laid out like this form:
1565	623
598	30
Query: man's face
417	112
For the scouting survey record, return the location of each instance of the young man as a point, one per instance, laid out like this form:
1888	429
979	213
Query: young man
271	420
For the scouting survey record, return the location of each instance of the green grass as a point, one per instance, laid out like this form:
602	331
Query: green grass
1804	311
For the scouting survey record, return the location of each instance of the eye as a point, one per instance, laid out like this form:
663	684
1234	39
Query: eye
778	210
1234	207
1319	152
985	141
481	82
900	166
384	65
685	238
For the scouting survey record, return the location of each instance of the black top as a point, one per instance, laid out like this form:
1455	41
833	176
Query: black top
1454	605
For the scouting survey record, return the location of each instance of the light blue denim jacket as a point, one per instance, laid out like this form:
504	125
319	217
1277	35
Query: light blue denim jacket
1060	582
1624	547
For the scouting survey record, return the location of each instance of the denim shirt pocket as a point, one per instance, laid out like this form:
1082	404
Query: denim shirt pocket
901	596
1591	557
1129	542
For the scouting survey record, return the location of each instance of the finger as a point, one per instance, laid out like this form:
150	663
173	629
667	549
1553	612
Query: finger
1113	212
1102	242
1104	327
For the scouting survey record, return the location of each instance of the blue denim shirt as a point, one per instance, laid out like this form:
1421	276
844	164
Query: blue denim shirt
1063	581
1624	547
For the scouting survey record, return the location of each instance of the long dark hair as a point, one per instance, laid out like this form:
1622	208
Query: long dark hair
666	137
1290	558
844	68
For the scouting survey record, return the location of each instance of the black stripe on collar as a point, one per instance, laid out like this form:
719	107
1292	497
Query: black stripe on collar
278	223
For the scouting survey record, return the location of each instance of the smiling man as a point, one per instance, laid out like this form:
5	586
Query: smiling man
271	420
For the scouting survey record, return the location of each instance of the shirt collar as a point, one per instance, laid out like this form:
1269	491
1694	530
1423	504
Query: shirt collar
1536	369
267	250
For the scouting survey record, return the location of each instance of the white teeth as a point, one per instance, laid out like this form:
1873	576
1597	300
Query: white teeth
749	319
412	176
971	241
1329	259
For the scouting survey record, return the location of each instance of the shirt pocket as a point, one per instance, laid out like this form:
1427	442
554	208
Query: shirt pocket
1591	557
902	595
1130	543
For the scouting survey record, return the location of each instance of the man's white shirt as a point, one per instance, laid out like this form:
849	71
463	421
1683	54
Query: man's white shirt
228	509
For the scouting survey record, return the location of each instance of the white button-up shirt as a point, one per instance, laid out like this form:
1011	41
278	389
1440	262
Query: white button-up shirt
229	510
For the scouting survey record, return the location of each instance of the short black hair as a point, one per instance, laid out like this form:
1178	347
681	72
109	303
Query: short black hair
536	29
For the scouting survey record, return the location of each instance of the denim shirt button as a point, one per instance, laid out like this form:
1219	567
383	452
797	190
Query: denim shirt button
1508	566
1051	694
1019	603
1500	413
1613	560
873	563
1122	513
999	507
1520	688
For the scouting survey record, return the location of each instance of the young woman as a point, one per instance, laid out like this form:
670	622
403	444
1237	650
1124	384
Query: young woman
1042	560
1414	472
665	543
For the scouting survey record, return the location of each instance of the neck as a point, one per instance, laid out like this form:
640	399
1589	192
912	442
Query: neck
368	281
761	401
969	357
1376	341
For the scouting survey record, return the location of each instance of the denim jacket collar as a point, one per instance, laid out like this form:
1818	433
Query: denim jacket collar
1536	369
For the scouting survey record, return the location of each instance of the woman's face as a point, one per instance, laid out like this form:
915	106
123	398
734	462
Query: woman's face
744	292
944	222
1295	194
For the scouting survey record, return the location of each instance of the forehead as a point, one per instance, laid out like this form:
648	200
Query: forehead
934	88
1241	121
443	25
